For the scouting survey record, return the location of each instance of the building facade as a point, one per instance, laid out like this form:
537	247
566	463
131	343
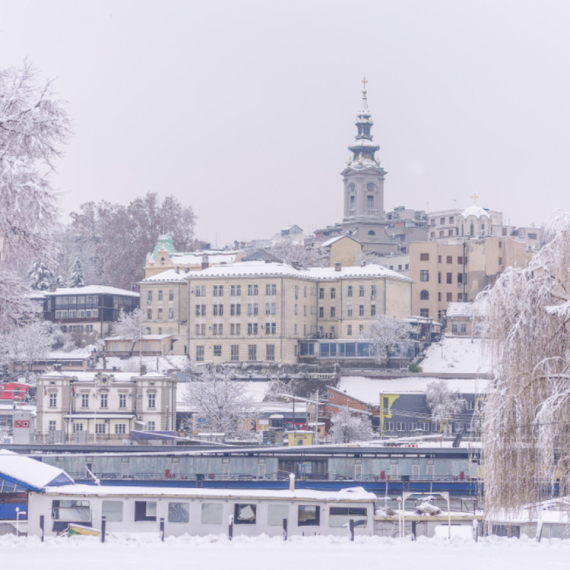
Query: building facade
258	312
457	272
102	408
87	311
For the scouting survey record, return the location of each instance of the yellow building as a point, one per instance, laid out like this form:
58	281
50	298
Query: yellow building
457	272
300	437
258	311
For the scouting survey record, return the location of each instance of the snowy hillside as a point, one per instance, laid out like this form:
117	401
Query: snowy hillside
460	355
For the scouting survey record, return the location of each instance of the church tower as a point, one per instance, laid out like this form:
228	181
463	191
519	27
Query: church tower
363	179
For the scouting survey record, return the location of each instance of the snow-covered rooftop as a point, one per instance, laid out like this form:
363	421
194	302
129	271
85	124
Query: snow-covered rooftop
170	275
30	473
262	268
92	290
476	211
214	257
82	376
457	355
369	389
335	239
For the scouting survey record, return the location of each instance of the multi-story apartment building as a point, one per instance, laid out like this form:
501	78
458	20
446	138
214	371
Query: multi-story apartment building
457	272
258	312
102	408
87	311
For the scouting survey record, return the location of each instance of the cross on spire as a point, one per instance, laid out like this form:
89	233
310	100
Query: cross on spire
475	198
364	82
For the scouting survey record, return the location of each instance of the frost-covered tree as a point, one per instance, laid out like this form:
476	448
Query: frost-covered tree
279	390
76	278
443	402
113	240
28	343
220	400
348	426
34	125
130	326
40	277
300	255
525	415
385	333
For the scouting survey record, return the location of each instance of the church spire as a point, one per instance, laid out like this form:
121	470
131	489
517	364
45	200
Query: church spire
364	148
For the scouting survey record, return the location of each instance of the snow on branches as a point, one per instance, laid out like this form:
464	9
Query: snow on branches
525	415
443	402
130	326
33	128
348	426
221	401
385	334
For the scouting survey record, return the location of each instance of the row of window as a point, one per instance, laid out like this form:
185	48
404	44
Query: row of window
103	400
210	513
424	277
101	427
77	314
77	300
448	258
442	221
159	295
235	309
235	329
235	290
160	314
77	328
235	352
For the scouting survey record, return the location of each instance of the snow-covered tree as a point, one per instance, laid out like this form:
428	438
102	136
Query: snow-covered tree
525	415
220	400
28	343
348	426
34	125
300	255
279	390
443	402
76	278
113	240
40	277
130	326
385	333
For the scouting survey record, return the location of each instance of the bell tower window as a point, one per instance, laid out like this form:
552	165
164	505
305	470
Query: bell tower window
370	203
352	202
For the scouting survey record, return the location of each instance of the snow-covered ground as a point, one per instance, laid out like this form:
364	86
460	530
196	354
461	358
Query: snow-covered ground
459	355
262	553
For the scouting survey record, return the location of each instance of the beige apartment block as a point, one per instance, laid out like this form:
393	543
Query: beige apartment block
258	311
164	301
86	407
457	272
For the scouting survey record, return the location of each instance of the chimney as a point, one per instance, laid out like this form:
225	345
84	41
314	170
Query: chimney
338	266
143	369
205	262
177	269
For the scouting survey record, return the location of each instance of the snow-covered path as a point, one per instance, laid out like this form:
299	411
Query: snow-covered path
261	553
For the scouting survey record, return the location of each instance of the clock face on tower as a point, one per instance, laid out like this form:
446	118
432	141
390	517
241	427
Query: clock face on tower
370	187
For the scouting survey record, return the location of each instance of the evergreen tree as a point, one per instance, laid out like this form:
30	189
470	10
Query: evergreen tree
40	277
76	277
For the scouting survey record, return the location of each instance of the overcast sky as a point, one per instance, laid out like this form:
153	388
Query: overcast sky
244	109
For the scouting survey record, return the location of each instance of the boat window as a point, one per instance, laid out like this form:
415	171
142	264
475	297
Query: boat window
309	515
71	511
276	514
245	513
339	516
113	510
178	512
212	513
145	511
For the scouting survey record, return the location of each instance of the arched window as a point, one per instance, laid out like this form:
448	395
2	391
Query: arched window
371	233
424	295
472	233
162	261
